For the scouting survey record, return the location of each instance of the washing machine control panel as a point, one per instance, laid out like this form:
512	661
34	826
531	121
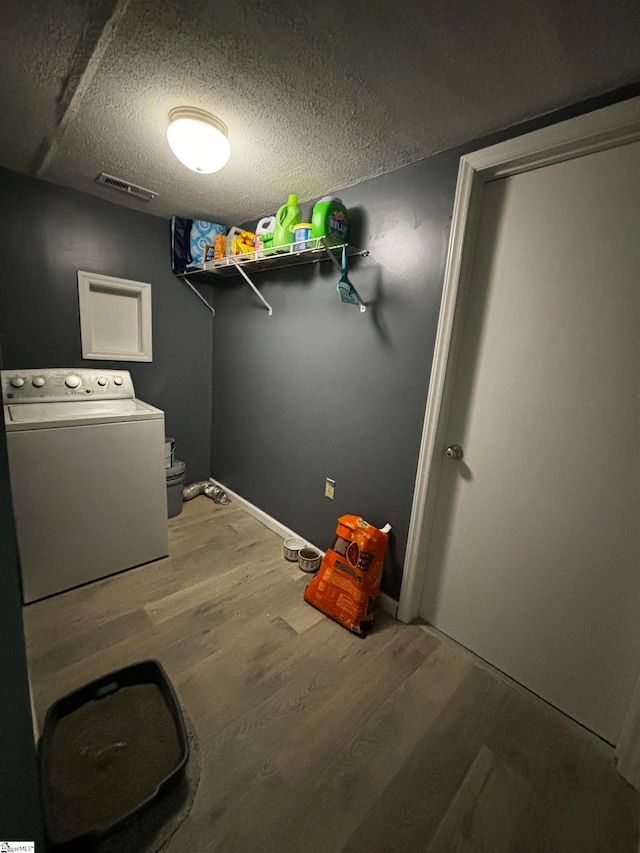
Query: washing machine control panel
62	384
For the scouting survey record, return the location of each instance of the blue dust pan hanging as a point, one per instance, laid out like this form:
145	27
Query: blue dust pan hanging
345	288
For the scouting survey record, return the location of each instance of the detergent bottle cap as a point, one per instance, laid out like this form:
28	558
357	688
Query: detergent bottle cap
293	198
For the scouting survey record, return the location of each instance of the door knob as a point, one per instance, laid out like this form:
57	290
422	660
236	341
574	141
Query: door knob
454	451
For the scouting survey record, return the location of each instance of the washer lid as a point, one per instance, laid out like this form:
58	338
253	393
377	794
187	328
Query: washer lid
76	413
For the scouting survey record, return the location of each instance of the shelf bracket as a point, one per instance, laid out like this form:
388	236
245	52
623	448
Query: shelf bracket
252	286
198	294
331	256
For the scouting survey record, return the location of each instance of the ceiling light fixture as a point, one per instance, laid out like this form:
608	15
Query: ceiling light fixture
198	139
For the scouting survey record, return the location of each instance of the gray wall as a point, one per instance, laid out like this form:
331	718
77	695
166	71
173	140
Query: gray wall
47	233
319	390
20	817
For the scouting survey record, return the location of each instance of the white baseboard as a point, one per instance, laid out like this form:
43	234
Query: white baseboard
34	719
388	604
385	602
628	746
259	514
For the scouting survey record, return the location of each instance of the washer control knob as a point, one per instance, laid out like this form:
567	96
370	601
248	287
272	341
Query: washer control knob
17	381
118	380
38	381
102	380
72	381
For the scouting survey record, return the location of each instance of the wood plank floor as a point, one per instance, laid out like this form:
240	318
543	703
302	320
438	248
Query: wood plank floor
312	739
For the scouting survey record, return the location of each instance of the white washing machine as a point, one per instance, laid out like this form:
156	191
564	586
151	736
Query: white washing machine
87	470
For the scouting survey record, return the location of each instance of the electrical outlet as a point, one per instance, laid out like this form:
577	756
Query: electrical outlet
329	489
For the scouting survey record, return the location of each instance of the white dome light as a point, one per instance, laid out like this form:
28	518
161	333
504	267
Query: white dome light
198	139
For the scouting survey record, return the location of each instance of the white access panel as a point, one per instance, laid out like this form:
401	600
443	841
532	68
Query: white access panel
88	501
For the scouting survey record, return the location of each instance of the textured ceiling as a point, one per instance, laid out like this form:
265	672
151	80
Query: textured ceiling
316	97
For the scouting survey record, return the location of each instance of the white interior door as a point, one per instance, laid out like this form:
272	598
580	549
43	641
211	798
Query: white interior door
534	557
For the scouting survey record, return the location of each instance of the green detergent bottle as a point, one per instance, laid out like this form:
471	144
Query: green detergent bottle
329	220
288	216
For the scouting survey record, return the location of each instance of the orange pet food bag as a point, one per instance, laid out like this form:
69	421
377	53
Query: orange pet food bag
348	581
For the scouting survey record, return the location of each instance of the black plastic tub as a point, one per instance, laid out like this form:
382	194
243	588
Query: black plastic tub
107	751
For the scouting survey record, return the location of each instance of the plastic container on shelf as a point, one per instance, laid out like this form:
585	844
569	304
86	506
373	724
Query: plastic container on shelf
219	246
302	236
267	244
286	217
239	242
330	220
265	226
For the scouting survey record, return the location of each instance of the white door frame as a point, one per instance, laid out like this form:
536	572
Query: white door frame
604	128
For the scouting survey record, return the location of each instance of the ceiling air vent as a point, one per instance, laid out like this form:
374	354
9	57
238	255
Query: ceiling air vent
126	187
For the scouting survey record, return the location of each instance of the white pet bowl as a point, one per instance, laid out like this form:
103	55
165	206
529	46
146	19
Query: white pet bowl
309	559
292	547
